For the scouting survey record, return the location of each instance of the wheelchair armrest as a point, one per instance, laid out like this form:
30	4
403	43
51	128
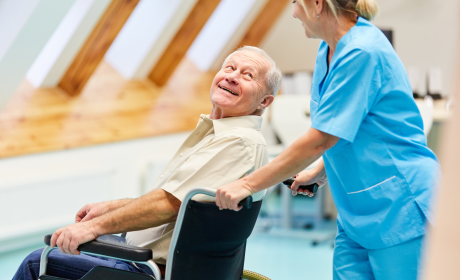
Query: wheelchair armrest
110	247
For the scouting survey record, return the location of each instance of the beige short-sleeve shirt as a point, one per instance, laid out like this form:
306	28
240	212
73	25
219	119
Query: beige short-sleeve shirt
217	152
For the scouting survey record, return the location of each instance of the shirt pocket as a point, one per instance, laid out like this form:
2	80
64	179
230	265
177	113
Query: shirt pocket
360	166
376	185
386	197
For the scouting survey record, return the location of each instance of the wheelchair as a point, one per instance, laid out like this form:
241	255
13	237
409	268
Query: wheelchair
207	244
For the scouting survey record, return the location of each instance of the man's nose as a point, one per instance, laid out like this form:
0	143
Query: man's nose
232	78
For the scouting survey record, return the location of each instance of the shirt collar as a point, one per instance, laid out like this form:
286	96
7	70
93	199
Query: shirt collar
221	125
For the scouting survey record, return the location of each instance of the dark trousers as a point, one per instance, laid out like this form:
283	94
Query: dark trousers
70	266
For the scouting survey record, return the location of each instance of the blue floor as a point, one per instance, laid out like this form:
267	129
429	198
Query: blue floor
280	254
10	261
288	253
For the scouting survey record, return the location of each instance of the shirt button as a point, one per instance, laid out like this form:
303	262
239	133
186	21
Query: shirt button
161	177
181	154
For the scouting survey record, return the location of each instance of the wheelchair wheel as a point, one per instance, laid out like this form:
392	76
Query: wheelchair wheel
249	275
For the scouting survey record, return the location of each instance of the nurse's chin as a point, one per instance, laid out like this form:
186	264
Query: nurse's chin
309	36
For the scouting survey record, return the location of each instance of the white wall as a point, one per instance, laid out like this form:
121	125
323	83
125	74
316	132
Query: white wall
138	35
287	45
238	34
218	31
13	17
28	25
60	50
146	35
40	193
426	34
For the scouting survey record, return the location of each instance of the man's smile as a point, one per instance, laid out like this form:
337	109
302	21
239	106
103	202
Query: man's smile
228	90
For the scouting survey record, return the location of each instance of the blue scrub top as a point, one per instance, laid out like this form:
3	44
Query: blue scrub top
381	172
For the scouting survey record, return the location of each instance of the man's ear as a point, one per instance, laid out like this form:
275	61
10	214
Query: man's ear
268	99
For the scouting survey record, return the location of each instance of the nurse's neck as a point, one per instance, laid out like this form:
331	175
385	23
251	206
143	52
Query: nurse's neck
334	30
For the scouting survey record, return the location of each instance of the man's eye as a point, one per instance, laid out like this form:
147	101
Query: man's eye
249	74
293	2
230	67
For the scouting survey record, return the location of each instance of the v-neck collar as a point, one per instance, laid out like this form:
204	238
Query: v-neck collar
342	42
325	66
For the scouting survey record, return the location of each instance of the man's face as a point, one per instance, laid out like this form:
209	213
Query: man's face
238	89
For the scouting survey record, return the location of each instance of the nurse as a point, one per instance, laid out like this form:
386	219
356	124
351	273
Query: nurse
369	133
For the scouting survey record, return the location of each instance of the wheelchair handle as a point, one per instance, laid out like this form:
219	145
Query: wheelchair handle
247	202
313	188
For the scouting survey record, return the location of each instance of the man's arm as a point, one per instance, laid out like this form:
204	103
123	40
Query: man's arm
93	210
222	161
153	209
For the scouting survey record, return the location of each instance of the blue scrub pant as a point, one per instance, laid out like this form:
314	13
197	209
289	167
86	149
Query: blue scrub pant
352	261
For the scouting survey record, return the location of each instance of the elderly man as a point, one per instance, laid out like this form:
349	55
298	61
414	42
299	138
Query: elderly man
224	147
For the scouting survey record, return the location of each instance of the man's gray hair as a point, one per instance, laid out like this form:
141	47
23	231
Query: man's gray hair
273	77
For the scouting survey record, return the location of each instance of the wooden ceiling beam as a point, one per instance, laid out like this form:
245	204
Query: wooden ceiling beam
263	22
95	47
182	41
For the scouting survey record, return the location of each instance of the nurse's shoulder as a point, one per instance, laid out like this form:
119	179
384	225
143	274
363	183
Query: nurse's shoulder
369	38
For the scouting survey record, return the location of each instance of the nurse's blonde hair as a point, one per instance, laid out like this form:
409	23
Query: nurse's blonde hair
367	9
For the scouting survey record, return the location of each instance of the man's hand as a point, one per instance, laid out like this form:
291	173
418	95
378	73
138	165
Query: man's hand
94	210
228	196
91	211
70	237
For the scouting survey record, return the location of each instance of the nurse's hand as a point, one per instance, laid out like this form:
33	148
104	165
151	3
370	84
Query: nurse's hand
308	177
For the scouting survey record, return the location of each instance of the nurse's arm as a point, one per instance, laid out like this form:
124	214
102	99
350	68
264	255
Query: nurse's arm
298	156
303	152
